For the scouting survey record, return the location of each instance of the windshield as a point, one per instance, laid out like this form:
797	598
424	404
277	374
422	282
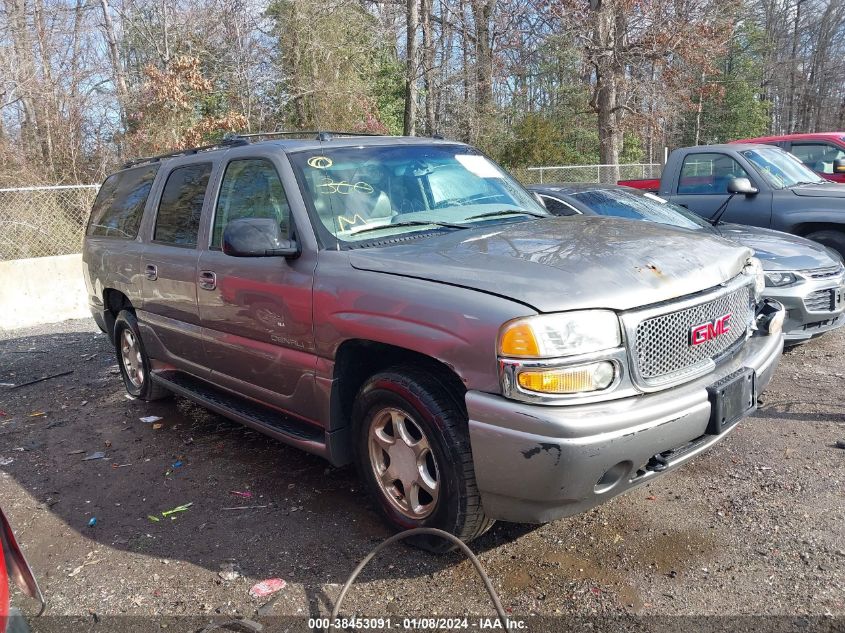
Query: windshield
620	203
780	169
361	194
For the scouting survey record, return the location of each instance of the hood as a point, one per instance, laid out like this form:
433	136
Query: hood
821	190
777	250
567	263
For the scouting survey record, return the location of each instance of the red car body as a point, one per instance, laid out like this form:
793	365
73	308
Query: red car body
817	151
645	184
13	567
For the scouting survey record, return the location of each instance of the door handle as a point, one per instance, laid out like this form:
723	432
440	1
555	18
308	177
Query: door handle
207	280
151	272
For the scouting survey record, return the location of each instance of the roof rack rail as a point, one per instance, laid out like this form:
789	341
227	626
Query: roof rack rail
320	135
233	141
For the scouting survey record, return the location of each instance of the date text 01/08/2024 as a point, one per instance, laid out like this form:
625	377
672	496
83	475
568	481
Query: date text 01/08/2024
418	623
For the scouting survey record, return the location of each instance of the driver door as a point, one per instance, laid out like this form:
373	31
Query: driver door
702	187
256	311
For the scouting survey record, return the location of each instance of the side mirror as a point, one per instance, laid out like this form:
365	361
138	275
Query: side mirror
742	185
839	166
257	237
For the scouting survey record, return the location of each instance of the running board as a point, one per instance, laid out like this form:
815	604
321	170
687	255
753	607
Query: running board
269	421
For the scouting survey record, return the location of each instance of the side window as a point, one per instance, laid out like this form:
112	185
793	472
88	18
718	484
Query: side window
119	205
178	219
817	156
708	173
251	188
556	207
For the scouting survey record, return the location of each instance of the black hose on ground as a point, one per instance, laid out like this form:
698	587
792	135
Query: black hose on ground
414	532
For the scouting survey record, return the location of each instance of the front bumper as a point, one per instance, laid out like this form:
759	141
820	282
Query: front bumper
803	320
537	463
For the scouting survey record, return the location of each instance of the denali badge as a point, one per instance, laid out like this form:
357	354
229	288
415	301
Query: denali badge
699	334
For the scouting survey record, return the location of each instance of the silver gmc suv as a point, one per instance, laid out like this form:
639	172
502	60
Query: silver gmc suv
404	304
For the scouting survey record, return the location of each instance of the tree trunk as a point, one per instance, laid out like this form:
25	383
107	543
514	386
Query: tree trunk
428	66
117	66
412	16
25	76
607	35
482	12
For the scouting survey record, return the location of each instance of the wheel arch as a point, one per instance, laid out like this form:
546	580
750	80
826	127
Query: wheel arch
356	360
805	228
113	302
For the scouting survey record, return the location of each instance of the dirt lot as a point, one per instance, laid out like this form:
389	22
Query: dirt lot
756	526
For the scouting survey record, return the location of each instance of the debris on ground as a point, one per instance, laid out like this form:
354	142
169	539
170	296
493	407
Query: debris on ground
238	493
6	461
42	379
229	572
89	560
267	587
840	443
150	419
93	456
92	522
246	508
182	508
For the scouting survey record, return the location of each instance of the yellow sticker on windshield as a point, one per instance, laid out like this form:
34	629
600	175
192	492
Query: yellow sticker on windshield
320	162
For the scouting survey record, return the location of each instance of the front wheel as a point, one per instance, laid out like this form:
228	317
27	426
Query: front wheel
414	457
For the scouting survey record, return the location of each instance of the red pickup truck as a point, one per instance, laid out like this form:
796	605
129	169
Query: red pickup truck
823	152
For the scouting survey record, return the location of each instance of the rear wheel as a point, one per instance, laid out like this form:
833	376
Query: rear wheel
414	457
832	239
133	360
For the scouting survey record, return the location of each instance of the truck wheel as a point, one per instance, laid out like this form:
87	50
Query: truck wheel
414	457
133	360
833	239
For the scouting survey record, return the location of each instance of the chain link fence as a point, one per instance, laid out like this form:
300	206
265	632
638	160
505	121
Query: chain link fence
44	221
605	174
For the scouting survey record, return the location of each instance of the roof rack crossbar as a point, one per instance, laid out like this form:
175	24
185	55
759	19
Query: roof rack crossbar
321	135
232	141
235	139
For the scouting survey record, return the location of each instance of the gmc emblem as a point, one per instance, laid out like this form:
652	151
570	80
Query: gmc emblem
699	334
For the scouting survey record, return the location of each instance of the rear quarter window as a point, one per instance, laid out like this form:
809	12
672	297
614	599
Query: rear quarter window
119	205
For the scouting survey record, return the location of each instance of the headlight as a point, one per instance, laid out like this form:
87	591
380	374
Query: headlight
753	268
778	280
555	335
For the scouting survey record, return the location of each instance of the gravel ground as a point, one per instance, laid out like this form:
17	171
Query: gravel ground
753	527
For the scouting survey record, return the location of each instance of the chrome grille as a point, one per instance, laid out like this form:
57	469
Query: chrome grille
661	349
820	301
823	273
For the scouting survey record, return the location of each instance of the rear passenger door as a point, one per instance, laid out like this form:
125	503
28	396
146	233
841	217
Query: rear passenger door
169	266
256	311
702	187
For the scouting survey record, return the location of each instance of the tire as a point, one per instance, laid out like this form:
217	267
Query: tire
439	447
833	239
133	361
